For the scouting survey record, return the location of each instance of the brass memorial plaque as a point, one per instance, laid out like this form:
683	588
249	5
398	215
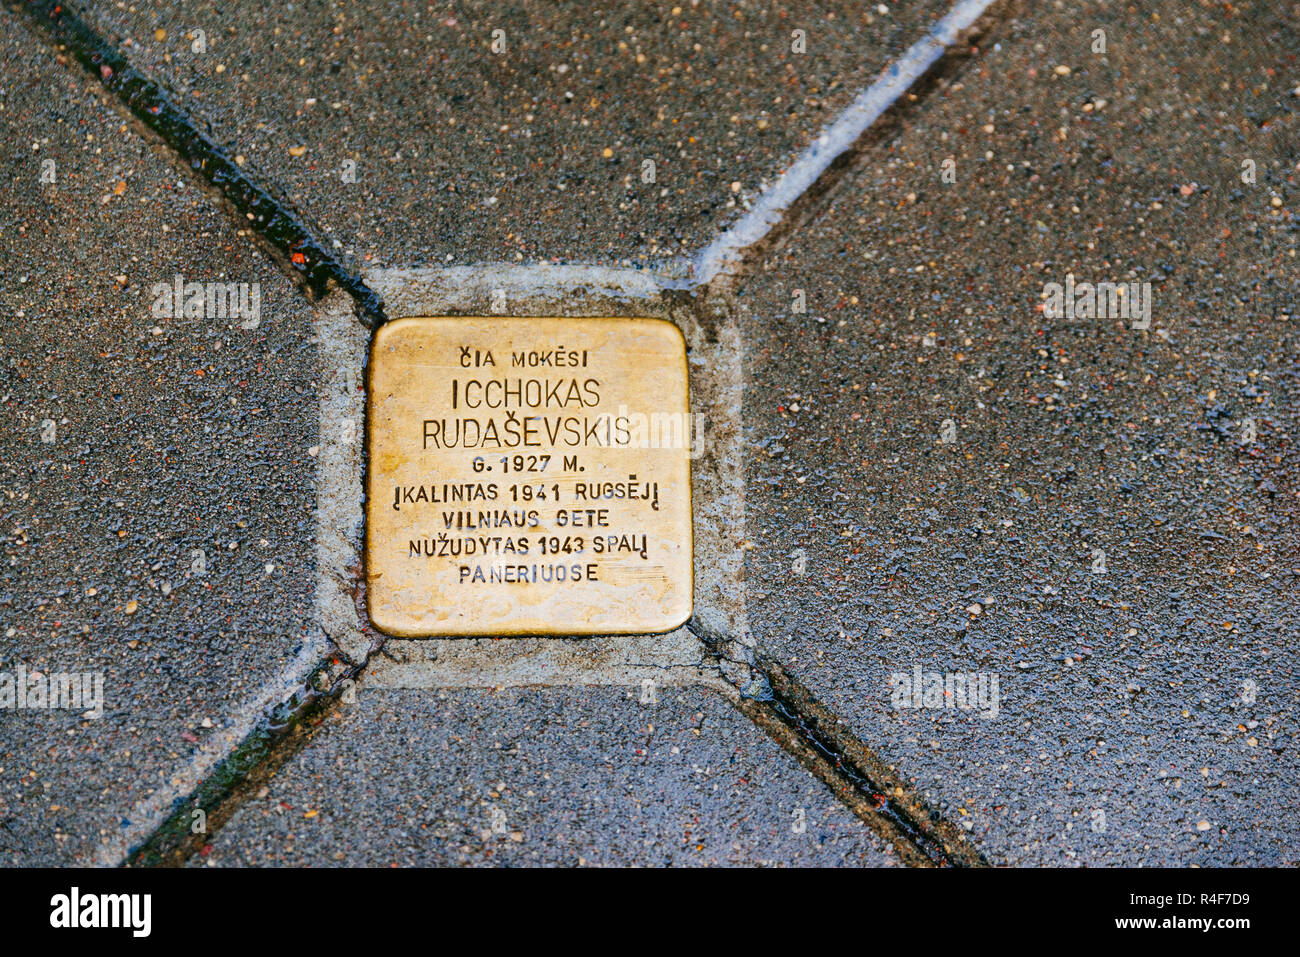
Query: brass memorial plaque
529	477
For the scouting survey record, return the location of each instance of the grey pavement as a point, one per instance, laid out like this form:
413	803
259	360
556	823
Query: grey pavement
924	474
550	136
158	472
540	776
1161	693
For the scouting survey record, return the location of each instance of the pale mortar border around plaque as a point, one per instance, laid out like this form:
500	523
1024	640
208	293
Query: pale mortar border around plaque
716	388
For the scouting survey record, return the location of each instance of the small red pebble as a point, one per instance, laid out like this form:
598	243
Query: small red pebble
106	71
298	259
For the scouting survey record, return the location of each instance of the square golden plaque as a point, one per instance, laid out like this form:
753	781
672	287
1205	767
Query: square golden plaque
529	477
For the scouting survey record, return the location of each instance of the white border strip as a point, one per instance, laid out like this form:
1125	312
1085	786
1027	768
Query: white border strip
675	658
898	77
462	283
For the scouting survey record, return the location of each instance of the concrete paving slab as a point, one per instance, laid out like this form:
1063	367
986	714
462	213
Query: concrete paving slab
159	472
462	154
526	776
1102	518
